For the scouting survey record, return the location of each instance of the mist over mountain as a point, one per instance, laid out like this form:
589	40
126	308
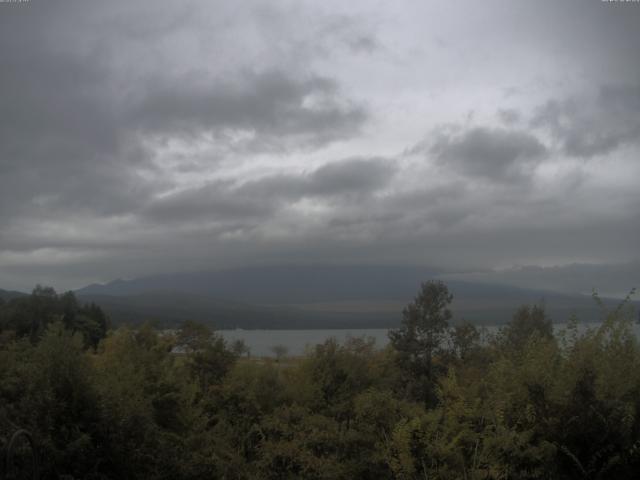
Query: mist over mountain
280	284
614	280
315	297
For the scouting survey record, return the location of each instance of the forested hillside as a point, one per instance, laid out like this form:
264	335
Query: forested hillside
440	402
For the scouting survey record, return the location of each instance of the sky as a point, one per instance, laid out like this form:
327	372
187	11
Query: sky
495	140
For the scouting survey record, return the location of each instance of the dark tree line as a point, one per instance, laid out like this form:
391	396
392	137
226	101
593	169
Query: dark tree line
29	316
442	401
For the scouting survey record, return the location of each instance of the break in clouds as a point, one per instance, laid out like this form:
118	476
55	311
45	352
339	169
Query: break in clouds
476	137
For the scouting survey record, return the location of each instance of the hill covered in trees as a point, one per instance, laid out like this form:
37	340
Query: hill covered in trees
439	402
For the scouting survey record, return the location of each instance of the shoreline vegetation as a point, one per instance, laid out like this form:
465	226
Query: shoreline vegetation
437	402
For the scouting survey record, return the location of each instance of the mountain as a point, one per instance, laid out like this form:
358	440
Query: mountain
167	309
10	294
314	297
278	285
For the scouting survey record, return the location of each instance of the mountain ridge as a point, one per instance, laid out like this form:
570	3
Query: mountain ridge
11	294
316	297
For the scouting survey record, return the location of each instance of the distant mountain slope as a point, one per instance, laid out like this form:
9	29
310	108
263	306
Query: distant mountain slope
9	294
167	309
314	297
277	285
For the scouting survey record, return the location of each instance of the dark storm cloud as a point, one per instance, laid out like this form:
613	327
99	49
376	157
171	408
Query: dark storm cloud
489	152
258	200
74	123
271	106
440	206
138	137
61	141
586	127
214	202
350	177
356	175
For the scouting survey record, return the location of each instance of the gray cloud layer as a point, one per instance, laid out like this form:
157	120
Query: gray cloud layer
260	198
588	127
493	153
153	137
270	107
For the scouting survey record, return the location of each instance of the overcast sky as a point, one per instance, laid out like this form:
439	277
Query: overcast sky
150	136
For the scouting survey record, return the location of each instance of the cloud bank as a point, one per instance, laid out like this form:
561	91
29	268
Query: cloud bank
155	137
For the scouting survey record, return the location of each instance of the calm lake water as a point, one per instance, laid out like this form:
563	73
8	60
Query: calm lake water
296	341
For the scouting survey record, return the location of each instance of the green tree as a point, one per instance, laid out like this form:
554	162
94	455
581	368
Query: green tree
331	376
93	323
193	336
208	358
147	407
528	320
465	338
422	333
47	388
280	351
240	348
29	316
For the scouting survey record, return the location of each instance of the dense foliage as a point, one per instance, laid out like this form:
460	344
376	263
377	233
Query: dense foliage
441	402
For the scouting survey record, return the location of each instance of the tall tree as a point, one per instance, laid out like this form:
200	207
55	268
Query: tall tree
528	320
424	326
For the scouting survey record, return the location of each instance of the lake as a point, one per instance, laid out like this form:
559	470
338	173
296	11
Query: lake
260	342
